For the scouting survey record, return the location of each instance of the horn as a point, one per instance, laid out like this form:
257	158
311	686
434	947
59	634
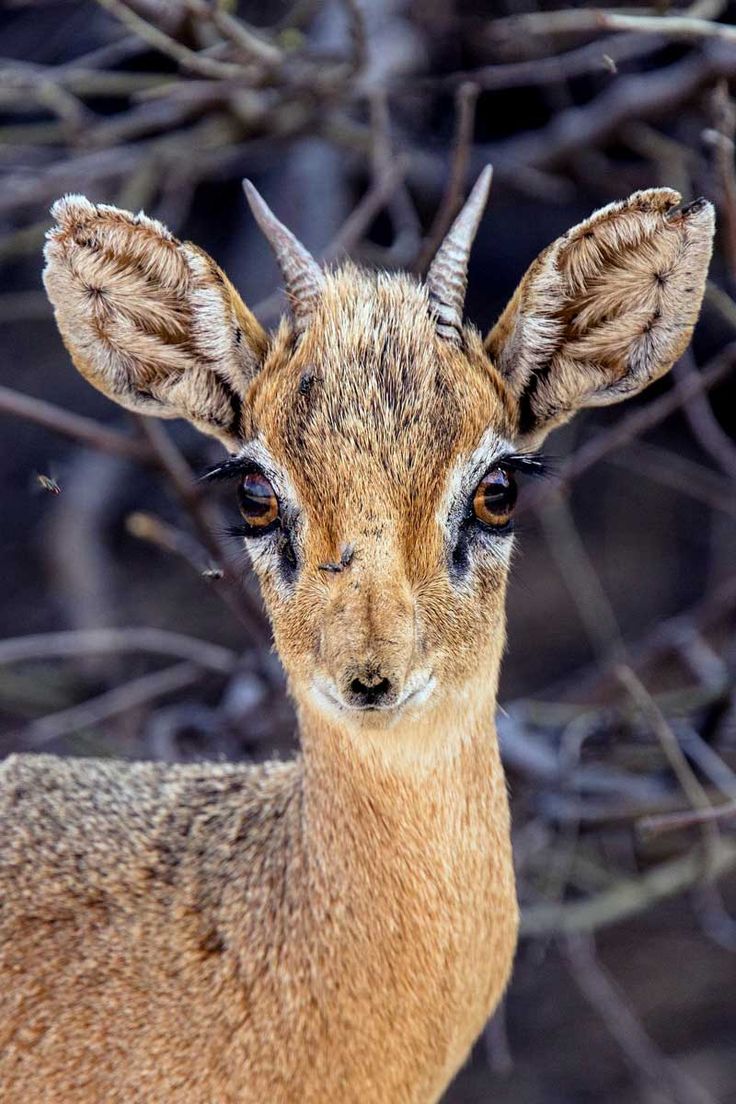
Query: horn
302	275
447	278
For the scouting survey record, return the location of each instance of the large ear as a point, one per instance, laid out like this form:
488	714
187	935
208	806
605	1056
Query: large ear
150	321
605	310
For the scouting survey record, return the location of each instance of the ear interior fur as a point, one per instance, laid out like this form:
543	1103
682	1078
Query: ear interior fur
151	322
605	310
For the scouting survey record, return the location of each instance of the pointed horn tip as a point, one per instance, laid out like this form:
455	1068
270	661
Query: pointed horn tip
303	278
482	186
256	202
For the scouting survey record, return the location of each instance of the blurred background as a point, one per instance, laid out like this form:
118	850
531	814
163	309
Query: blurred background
130	623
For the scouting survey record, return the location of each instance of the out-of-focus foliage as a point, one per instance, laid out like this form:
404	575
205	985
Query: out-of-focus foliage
363	121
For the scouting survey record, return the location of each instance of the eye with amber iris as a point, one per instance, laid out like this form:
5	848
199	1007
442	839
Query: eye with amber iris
258	504
495	498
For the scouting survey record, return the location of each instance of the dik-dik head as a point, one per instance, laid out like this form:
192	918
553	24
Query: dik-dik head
376	438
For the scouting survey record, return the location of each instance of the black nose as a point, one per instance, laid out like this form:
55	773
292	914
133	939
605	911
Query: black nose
367	692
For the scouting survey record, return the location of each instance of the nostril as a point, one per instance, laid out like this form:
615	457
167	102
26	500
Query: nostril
370	693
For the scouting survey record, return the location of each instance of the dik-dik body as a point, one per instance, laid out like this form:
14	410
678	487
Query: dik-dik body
336	928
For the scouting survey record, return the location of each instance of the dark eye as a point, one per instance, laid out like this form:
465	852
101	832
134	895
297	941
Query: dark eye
258	503
495	498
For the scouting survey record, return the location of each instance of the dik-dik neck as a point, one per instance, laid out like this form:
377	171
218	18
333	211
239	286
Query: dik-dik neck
428	795
411	883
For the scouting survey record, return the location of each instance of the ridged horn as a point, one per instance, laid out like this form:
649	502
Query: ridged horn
303	278
447	278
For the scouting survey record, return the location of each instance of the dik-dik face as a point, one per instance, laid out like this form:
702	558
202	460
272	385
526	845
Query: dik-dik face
376	440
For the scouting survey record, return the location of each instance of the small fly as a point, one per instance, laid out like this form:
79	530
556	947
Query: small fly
48	483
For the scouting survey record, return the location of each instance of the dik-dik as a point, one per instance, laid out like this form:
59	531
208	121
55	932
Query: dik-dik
337	928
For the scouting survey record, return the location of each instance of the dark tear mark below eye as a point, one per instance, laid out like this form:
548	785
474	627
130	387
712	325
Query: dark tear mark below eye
461	553
288	560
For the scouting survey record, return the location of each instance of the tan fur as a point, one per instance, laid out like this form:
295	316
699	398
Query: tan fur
151	322
337	928
606	309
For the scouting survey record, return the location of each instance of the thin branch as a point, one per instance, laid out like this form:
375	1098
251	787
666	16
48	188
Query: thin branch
680	26
112	703
496	1043
206	524
703	422
580	577
466	100
640	421
684	476
165	44
247	41
674	754
534	72
148	527
672	822
18	84
358	36
630	896
601	991
406	225
640	97
75	426
721	137
709	614
359	220
69	645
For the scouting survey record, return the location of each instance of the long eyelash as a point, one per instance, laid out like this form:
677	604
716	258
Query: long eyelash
235	531
535	464
230	469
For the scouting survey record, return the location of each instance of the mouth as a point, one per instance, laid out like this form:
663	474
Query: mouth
415	693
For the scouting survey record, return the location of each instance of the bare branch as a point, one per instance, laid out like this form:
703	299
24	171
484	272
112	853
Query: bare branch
721	136
640	97
672	822
680	26
207	525
165	44
580	577
69	645
645	1058
641	421
122	699
361	217
466	99
703	423
78	428
691	787
247	41
584	60
148	527
630	896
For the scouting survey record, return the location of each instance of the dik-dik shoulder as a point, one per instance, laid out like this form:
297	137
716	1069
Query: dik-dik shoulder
128	830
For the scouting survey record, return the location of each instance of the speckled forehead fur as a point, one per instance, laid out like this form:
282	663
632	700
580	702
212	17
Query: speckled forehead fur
370	391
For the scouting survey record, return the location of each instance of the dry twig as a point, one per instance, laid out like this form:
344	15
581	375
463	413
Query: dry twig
85	430
600	990
466	99
69	645
122	699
